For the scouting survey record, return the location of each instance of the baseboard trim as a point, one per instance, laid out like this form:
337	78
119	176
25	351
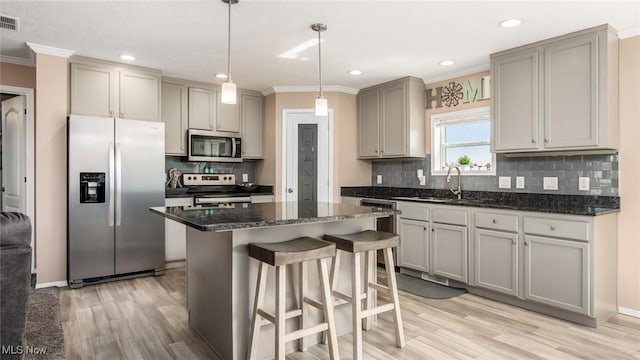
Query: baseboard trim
51	284
174	264
629	312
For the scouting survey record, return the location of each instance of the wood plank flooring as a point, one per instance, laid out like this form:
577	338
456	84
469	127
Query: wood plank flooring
146	318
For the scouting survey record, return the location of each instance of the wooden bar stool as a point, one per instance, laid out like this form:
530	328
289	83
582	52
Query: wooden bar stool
279	255
367	242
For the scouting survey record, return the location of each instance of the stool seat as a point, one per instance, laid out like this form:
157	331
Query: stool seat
292	251
367	240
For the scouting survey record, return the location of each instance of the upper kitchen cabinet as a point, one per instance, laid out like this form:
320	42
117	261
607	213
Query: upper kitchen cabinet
391	120
228	117
559	94
175	117
252	128
114	90
202	108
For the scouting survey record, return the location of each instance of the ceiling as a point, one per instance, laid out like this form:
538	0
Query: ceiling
383	39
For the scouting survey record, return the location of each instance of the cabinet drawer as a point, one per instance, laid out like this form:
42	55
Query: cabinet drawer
449	216
414	211
578	230
497	221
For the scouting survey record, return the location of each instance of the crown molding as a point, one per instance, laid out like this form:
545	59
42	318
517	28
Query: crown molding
311	88
627	33
50	50
456	74
18	60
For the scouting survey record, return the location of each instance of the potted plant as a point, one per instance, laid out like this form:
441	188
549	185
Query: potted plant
464	161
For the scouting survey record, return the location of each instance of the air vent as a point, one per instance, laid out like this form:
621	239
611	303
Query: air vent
9	23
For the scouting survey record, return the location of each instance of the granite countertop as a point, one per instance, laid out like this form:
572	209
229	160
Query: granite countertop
584	205
246	216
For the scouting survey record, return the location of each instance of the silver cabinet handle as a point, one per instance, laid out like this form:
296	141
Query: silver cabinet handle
552	228
546	140
533	141
494	221
111	183
526	243
376	151
118	185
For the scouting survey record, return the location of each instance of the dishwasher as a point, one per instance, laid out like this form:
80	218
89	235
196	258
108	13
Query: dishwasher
386	224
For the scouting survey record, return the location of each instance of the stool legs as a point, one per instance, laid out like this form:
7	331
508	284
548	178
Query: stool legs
303	346
393	291
356	302
328	309
255	319
369	271
281	316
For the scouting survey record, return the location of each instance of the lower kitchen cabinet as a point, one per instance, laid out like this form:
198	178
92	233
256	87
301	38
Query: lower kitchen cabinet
496	261
557	272
449	251
413	251
175	234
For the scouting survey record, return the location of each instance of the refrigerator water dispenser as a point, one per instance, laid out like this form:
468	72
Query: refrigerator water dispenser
92	187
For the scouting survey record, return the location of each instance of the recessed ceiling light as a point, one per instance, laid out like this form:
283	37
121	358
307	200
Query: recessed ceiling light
355	72
127	57
221	76
304	58
509	23
447	62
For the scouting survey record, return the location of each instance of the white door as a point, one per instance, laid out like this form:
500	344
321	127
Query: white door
13	155
292	120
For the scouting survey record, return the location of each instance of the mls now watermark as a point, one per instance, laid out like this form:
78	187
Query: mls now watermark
23	350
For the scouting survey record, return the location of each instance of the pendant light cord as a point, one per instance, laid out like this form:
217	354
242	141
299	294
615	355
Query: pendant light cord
229	47
320	61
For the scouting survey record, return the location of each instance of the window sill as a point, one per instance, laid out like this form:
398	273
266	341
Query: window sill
465	173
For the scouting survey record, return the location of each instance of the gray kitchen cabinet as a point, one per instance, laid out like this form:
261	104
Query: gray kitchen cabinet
99	88
228	119
557	272
496	260
175	234
202	108
557	95
175	117
262	198
391	120
449	251
252	125
413	252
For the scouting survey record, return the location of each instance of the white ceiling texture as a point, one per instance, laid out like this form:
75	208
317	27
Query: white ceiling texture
383	39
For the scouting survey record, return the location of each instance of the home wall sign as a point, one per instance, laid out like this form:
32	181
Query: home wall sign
454	93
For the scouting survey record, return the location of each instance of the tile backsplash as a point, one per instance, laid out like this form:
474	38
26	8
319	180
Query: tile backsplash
602	171
246	167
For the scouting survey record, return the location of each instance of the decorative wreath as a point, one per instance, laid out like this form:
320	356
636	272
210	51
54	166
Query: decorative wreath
452	94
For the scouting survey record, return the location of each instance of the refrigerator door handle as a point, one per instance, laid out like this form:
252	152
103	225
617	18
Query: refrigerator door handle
111	183
118	185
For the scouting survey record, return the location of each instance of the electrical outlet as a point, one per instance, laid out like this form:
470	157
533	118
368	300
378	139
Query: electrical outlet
379	179
583	183
420	173
423	180
245	177
519	182
504	182
550	183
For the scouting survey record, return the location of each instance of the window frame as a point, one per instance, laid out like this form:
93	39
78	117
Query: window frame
438	149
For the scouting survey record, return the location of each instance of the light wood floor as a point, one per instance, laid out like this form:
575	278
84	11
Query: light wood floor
146	318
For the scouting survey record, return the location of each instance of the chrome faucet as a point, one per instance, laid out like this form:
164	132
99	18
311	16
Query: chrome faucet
458	191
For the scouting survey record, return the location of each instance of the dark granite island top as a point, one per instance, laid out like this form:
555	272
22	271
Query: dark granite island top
246	216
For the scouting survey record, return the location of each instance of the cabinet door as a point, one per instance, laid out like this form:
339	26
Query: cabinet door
496	261
393	122
449	251
368	123
174	116
252	126
202	108
557	272
413	251
94	90
139	96
228	119
571	93
515	103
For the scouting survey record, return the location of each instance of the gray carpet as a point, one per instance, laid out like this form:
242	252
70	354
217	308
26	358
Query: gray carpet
44	325
425	288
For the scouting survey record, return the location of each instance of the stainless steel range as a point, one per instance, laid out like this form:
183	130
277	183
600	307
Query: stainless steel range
213	189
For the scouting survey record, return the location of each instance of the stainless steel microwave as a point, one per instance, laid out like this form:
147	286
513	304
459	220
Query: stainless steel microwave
205	145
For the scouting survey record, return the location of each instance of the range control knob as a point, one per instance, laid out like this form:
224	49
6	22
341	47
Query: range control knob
189	178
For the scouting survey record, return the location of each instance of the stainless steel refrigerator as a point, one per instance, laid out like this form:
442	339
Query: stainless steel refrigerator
115	173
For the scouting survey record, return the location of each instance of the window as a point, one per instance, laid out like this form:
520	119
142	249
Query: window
462	138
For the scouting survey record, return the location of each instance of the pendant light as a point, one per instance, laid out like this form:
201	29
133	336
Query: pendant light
322	108
228	95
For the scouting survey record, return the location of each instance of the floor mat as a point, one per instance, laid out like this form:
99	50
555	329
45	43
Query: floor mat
425	288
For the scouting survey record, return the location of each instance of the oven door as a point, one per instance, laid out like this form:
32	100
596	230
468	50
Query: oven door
207	200
213	146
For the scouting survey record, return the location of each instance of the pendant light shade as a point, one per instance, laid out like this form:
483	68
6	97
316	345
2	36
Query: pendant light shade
322	107
228	93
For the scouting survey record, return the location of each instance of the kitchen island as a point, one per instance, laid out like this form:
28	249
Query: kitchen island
221	278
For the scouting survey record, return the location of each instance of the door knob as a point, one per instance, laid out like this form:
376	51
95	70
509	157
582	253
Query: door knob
289	190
